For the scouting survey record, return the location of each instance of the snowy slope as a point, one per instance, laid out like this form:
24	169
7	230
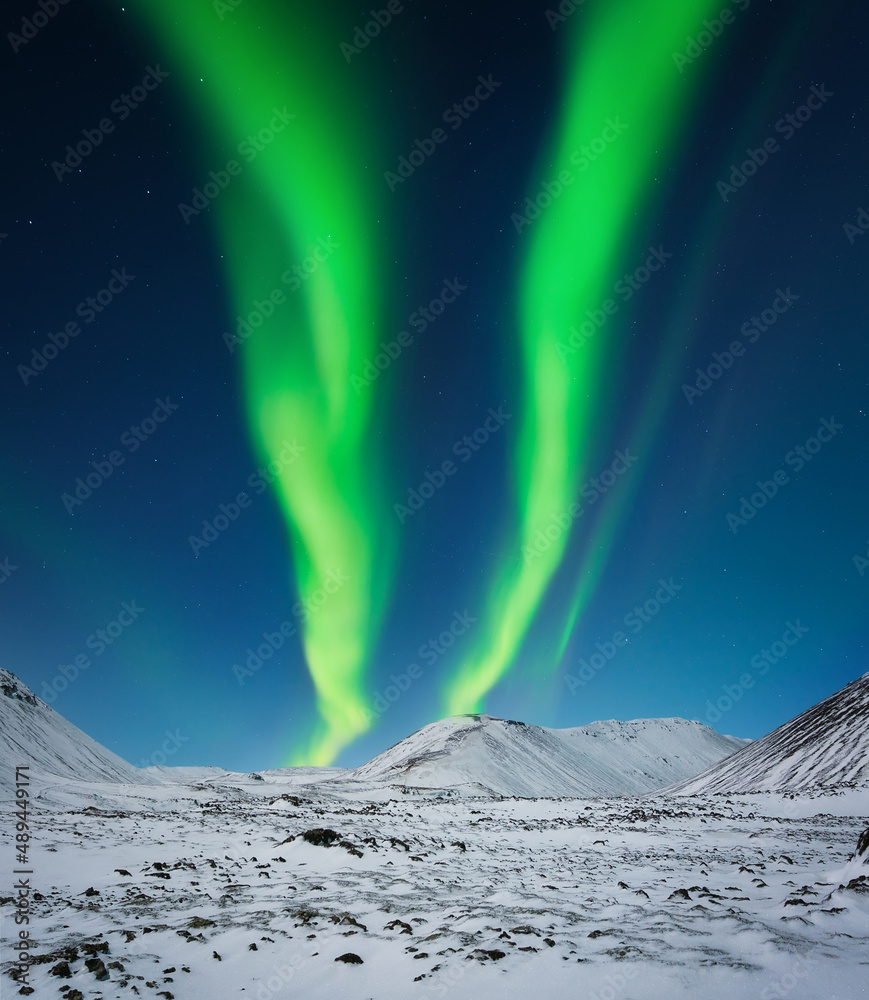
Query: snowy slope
482	753
826	747
32	733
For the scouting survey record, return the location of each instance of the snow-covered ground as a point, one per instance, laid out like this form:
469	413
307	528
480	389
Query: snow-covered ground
412	876
209	889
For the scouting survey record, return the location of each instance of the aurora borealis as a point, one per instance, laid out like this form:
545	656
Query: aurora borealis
617	63
425	287
316	210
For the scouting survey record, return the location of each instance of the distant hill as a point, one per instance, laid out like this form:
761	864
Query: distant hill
485	754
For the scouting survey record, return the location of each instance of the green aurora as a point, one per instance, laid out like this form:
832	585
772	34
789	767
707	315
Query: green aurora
626	102
300	202
299	222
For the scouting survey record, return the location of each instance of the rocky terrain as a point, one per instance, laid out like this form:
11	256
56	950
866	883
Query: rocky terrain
250	889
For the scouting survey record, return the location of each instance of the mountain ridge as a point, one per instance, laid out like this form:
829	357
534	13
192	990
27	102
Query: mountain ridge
507	757
32	733
822	749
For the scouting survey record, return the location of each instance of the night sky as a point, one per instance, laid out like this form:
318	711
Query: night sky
554	334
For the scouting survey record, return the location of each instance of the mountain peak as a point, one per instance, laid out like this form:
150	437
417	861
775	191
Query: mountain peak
823	748
33	734
507	757
12	687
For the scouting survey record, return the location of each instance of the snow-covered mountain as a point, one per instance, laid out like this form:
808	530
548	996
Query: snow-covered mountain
825	748
33	734
483	754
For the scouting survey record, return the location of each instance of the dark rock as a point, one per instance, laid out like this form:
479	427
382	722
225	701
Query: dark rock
95	948
98	968
321	837
405	928
61	969
349	958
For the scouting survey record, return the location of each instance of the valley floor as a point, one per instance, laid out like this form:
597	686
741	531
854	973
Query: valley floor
210	890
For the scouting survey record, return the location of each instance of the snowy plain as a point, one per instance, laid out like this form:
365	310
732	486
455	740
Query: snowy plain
210	889
323	882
